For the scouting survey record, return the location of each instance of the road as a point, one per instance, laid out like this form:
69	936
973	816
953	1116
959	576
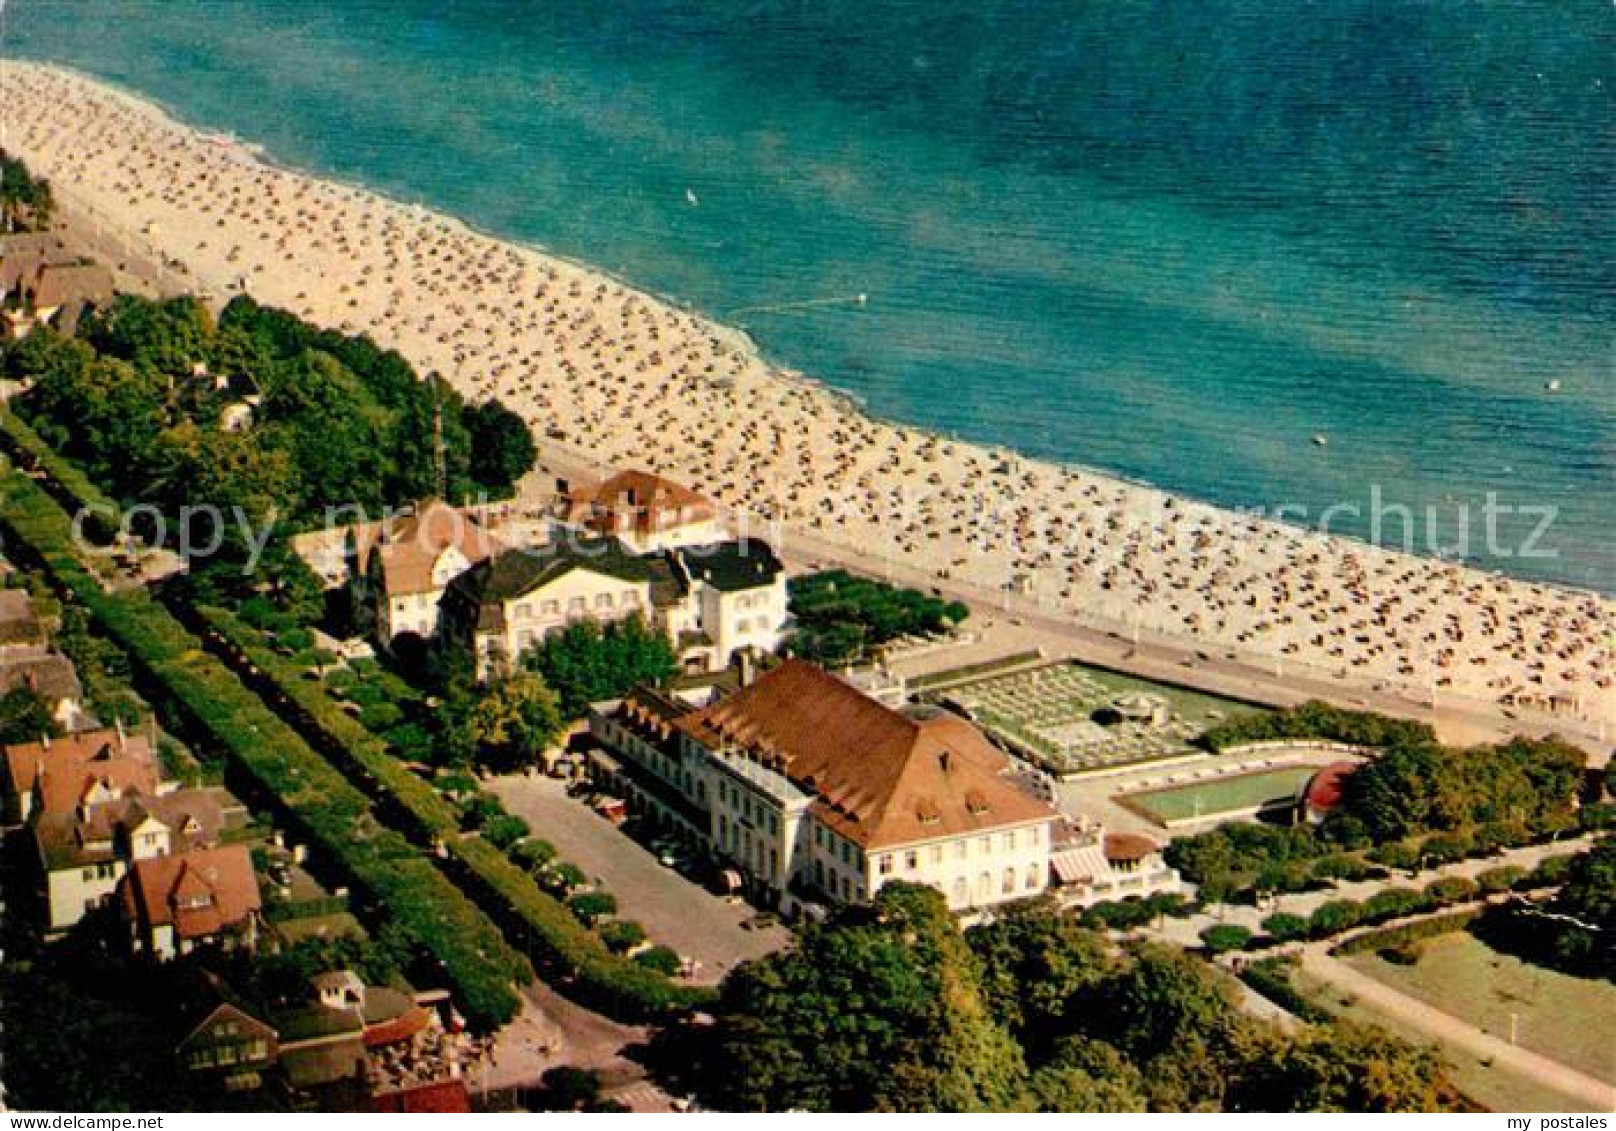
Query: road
674	911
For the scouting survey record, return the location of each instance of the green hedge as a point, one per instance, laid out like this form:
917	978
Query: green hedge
1319	720
558	944
1270	977
1388	937
280	767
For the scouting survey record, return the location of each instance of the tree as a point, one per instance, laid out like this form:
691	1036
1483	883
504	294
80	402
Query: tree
662	959
1035	962
590	906
586	663
1342	1067
1285	926
621	935
1225	937
876	1009
513	722
502	448
26	717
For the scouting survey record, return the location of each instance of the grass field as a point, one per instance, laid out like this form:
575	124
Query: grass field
1571	1020
1233	794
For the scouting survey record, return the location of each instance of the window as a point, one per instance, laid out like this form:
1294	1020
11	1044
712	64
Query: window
986	845
885	863
936	854
1009	841
1008	884
911	860
962	848
630	599
960	894
1032	876
819	872
984	886
603	601
577	605
551	608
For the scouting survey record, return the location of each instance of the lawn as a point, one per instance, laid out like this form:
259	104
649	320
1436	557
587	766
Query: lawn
1564	1018
1235	793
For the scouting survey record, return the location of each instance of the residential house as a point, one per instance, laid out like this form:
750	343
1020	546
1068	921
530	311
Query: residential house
27	661
201	898
223	1040
501	607
729	597
56	293
811	791
645	512
56	775
402	565
85	853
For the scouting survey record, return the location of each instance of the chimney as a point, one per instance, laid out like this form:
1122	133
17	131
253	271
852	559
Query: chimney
123	739
44	740
944	761
746	667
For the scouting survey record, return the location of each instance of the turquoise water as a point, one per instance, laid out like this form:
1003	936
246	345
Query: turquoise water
1173	240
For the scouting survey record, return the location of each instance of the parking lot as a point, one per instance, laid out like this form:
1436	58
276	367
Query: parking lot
674	911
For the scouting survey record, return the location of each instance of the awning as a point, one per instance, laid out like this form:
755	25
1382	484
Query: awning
1078	865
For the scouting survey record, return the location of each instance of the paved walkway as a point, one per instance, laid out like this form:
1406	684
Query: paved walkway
673	911
1422	1018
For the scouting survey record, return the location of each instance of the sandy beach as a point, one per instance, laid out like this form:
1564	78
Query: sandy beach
613	375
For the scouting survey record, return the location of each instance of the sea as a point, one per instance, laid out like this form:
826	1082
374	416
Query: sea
1349	262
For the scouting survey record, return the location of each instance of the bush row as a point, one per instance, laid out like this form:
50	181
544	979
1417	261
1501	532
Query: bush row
1315	719
1270	977
560	946
1388	938
281	769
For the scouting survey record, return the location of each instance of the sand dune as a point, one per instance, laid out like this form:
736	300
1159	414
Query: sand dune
623	377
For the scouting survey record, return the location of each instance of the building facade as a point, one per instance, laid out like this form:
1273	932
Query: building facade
815	793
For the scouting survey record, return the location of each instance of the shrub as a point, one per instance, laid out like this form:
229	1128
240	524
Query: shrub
1340	866
1445	848
505	830
561	877
1499	879
1398	854
1270	977
1549	872
1389	937
662	959
1285	926
589	906
533	854
621	935
1451	889
1334	917
1391	903
1225	937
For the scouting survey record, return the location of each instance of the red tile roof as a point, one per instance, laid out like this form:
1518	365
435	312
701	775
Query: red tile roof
639	503
1323	790
881	777
66	768
1129	846
200	892
408	547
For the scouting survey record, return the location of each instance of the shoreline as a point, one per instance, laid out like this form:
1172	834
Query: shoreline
630	377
